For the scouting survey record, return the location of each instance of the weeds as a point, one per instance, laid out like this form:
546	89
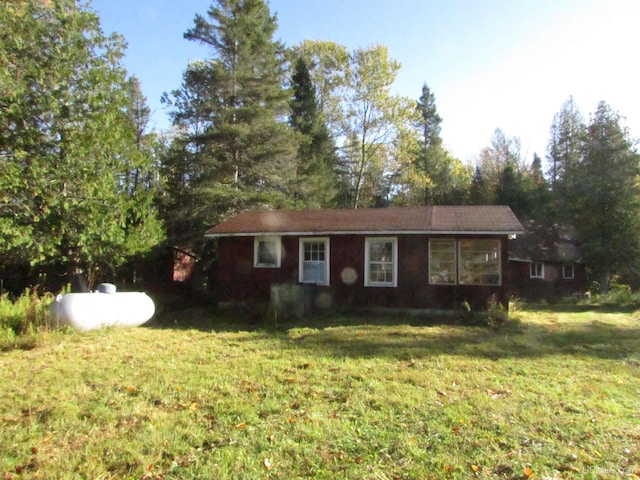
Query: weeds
23	318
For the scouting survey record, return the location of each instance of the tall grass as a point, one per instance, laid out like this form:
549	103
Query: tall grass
22	318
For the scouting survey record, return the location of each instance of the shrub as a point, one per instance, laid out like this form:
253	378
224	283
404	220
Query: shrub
497	315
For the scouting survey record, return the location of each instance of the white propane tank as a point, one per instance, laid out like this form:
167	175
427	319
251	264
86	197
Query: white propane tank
103	308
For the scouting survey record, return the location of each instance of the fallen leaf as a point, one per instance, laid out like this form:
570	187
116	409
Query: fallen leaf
358	459
448	468
528	472
241	425
193	407
475	468
499	393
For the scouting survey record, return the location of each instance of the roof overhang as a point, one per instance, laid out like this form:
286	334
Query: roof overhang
365	232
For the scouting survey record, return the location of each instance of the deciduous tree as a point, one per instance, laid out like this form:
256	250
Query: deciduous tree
372	113
66	142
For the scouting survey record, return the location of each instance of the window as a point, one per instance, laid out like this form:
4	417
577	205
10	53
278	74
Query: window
536	270
479	262
568	271
381	262
442	261
464	261
314	261
266	252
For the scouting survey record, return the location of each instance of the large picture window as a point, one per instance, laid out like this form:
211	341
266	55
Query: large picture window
464	261
266	252
381	262
479	262
314	261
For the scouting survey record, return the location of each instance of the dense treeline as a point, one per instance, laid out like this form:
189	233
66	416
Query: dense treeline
86	187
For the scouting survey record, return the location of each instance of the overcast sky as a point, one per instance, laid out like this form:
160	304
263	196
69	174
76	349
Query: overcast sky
506	64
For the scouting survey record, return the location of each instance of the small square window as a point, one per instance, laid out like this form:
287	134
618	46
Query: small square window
267	252
536	270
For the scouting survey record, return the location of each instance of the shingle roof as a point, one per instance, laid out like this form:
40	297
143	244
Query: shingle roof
539	245
429	219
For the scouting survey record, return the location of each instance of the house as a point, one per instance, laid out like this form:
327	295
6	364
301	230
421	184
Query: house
408	257
546	265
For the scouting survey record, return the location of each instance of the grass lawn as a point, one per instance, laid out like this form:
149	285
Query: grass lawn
555	395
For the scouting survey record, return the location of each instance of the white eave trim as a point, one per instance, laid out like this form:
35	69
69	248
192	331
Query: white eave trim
365	232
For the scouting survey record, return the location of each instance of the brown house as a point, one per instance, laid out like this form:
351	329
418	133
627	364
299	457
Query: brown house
546	266
411	257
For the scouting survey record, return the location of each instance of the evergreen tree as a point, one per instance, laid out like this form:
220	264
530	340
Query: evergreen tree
564	152
606	198
430	121
431	154
316	176
479	192
540	195
230	114
512	191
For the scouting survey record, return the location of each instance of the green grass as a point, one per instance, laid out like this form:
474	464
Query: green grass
553	395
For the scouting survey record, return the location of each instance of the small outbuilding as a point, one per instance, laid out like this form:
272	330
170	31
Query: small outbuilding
546	265
405	257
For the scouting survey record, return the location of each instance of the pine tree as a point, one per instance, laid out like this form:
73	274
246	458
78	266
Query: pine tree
316	177
231	116
479	193
429	123
564	151
606	198
431	154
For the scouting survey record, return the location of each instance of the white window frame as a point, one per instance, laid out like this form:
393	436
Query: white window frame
327	257
564	271
533	270
394	250
256	246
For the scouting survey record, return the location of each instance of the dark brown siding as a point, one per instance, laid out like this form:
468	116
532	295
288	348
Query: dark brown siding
551	287
238	280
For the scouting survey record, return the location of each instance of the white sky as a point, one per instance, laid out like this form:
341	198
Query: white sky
506	64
